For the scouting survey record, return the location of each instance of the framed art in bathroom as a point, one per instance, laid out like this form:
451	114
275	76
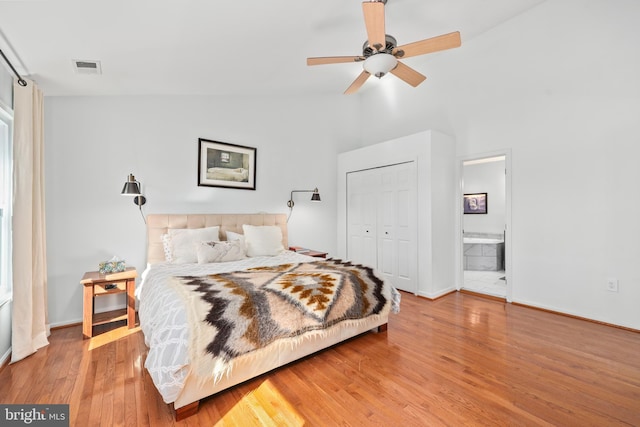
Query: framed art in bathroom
475	203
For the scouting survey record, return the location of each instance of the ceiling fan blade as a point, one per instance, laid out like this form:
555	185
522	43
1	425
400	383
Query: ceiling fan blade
374	21
357	83
434	44
333	60
408	74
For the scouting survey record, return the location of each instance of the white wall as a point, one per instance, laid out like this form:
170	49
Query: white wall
487	178
559	87
92	143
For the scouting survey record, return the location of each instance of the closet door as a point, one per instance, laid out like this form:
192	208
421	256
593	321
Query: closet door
362	217
397	242
382	222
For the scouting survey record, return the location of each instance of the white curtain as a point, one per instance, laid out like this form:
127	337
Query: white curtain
30	323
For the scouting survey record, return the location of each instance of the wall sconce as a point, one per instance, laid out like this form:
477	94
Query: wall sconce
315	197
132	188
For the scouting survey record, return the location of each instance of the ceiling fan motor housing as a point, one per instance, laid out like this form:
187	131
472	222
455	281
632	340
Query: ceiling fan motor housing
390	44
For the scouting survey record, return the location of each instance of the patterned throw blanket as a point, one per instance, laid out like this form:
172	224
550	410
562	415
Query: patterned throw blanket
238	314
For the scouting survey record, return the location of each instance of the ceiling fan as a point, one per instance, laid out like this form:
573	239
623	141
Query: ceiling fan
381	52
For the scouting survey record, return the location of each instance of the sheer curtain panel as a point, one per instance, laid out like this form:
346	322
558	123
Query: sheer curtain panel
30	324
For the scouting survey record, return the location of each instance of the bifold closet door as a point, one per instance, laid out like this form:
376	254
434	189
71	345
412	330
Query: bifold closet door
362	201
397	242
382	221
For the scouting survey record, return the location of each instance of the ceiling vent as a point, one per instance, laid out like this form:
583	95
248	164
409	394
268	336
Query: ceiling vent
84	66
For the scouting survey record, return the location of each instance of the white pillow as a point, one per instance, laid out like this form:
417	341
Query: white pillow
166	246
183	249
265	240
219	251
233	236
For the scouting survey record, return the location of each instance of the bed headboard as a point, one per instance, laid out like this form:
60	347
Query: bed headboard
158	224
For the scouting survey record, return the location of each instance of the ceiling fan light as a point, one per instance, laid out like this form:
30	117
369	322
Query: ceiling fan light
380	64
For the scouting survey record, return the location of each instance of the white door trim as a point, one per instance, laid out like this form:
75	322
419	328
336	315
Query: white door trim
508	253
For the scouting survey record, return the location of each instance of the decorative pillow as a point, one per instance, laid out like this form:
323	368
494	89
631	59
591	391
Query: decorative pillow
166	245
233	237
219	251
265	240
183	249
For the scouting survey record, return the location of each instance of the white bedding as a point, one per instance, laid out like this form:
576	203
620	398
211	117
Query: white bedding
164	320
226	174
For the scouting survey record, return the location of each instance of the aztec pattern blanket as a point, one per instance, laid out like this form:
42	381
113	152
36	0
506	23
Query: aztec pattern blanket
237	314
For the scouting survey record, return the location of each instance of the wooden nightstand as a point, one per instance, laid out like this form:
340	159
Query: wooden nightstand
96	284
309	252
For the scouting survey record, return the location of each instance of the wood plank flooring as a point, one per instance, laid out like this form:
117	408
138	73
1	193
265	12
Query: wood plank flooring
460	360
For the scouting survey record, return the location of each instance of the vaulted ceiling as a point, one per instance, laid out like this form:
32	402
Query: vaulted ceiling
238	47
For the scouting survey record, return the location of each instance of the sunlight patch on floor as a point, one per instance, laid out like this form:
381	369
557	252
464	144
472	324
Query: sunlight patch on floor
264	406
111	336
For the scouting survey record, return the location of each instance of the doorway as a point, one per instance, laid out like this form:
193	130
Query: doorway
484	227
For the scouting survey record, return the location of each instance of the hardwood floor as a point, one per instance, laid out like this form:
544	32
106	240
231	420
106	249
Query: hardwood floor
460	360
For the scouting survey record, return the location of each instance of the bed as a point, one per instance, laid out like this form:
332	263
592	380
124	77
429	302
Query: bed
228	174
187	305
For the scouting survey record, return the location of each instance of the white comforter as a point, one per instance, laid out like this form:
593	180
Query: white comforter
164	320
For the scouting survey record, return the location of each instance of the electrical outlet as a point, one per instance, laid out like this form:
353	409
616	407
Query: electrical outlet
612	285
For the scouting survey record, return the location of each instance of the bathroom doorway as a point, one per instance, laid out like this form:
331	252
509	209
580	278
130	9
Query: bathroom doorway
484	225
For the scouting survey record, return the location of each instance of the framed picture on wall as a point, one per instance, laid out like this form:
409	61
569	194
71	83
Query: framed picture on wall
475	203
221	164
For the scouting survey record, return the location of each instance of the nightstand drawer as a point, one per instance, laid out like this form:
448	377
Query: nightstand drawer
115	286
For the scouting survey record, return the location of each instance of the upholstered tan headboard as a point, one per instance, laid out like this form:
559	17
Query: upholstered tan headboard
158	224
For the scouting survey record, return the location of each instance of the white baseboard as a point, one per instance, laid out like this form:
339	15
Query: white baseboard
102	309
65	323
5	357
439	294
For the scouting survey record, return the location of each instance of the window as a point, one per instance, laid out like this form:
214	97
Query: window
5	203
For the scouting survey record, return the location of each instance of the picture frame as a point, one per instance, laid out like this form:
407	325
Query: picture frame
475	203
221	164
